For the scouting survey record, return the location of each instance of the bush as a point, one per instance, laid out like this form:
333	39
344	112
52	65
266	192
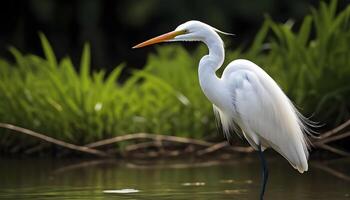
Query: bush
51	97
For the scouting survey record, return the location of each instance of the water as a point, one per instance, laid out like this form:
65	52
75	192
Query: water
237	179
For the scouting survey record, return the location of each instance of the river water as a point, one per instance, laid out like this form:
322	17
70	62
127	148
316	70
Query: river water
170	179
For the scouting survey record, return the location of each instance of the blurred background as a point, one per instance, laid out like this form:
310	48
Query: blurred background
66	83
134	124
113	27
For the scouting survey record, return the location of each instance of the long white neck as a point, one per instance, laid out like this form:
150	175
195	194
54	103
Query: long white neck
209	82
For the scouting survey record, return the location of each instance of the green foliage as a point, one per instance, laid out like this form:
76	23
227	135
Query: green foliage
312	64
51	97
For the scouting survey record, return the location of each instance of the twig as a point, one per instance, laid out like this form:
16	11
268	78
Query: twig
335	130
160	146
143	145
334	150
334	138
148	136
212	148
241	149
222	145
159	139
54	141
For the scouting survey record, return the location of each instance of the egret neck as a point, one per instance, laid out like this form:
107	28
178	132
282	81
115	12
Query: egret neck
208	65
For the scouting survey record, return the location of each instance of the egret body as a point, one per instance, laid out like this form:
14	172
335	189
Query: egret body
246	99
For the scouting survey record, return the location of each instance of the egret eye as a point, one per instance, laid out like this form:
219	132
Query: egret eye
184	31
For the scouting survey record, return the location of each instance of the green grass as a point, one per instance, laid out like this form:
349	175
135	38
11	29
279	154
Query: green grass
310	62
81	107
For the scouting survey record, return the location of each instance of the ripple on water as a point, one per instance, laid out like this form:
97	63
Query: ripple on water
121	191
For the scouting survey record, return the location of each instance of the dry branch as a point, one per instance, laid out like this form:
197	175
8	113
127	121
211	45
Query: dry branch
334	150
224	145
332	139
134	136
157	141
335	130
53	140
331	136
139	146
212	148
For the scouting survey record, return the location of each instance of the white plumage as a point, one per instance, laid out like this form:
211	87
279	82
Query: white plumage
246	99
263	113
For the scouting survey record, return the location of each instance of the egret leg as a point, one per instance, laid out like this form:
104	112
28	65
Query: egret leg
265	173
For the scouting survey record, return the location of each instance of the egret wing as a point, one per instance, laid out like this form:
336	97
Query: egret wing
267	116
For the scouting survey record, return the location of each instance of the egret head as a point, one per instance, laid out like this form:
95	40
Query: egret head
188	31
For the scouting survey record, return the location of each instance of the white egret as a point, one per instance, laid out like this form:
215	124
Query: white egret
246	99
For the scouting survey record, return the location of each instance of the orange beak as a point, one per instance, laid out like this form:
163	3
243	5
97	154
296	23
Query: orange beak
158	39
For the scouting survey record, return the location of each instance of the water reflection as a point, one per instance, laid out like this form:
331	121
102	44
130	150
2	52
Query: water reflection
112	179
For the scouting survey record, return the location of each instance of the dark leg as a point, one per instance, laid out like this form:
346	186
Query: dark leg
265	173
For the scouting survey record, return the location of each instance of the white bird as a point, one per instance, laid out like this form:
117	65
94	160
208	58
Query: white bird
246	99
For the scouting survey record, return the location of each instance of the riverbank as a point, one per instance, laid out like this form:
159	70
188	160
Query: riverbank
146	145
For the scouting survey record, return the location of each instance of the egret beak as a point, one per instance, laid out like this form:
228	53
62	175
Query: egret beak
162	38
